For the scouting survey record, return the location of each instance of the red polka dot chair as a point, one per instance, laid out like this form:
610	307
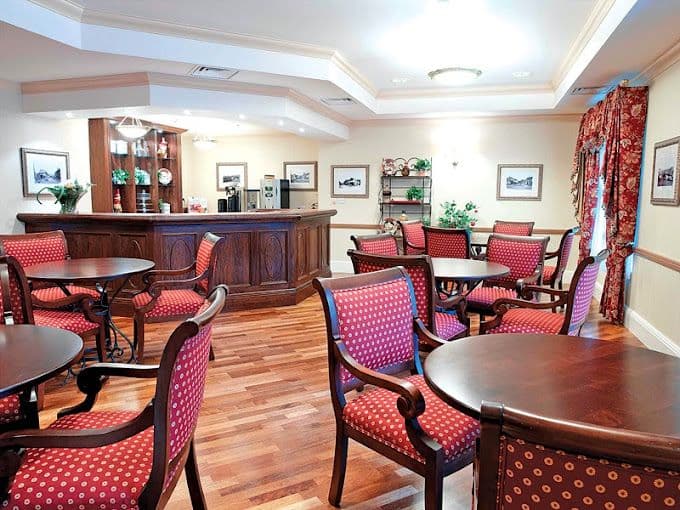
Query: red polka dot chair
373	328
380	244
519	316
120	459
513	228
552	275
523	255
413	237
537	463
164	299
446	318
447	242
38	248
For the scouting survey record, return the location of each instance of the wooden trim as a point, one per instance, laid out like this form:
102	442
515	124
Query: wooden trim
476	230
86	83
662	260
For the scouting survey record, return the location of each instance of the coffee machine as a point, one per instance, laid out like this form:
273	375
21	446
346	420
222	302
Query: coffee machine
274	193
233	199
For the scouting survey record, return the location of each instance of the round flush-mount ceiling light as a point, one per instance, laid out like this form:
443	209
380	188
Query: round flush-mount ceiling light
455	75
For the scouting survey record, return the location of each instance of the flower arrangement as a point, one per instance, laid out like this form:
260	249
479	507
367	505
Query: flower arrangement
453	217
67	195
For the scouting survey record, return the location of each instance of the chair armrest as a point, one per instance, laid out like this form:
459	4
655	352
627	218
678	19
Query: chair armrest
410	403
154	273
523	283
502	305
426	336
156	287
82	300
546	290
551	254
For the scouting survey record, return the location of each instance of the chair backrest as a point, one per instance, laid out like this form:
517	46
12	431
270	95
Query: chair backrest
206	259
513	228
371	317
179	395
14	293
447	242
31	249
523	255
564	250
532	462
380	244
419	269
581	292
413	236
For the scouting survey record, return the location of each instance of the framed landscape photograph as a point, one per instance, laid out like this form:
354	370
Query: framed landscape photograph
519	182
665	182
349	181
43	168
232	175
301	174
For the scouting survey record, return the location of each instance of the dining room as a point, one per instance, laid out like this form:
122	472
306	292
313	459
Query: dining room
365	254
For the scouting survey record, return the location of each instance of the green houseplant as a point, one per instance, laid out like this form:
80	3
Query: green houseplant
422	166
415	193
66	195
454	217
120	176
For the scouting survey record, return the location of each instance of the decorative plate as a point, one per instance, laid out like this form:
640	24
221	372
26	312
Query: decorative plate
164	176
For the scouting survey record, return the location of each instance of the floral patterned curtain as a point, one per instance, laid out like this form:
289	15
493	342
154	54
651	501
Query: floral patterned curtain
616	124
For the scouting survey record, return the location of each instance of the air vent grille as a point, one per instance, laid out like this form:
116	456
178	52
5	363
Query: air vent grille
337	101
215	73
587	91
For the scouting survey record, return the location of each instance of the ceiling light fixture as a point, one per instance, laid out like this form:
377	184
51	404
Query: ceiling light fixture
204	142
241	116
521	74
455	75
399	81
280	122
301	130
69	115
133	128
187	112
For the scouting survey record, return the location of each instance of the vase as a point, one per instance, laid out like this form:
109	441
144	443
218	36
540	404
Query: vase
68	204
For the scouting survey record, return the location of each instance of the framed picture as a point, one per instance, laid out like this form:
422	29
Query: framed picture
519	182
43	168
232	175
665	182
301	174
350	181
252	199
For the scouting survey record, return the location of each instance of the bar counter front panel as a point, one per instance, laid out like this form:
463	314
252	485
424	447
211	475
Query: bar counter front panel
269	258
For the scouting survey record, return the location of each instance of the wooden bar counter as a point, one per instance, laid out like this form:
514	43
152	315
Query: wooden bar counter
269	257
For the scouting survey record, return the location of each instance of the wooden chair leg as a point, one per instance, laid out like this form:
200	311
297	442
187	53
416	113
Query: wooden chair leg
100	341
194	480
211	357
139	336
339	467
434	488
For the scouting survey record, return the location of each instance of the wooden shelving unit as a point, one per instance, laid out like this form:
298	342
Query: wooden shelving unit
103	161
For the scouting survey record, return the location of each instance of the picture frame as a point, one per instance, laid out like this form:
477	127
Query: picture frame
349	181
40	168
303	175
231	175
519	182
665	185
252	199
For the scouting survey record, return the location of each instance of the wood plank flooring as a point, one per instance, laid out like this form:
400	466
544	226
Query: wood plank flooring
266	432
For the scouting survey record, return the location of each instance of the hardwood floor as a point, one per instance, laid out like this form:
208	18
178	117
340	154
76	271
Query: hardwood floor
266	432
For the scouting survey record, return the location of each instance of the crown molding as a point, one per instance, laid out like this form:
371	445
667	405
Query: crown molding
597	15
457	92
405	121
660	65
68	8
85	83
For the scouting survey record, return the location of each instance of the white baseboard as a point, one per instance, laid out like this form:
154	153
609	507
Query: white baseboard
342	266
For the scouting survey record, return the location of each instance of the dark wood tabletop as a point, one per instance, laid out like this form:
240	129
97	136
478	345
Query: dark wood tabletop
571	378
467	269
100	269
31	354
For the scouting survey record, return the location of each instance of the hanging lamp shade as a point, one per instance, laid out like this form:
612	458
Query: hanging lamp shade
132	127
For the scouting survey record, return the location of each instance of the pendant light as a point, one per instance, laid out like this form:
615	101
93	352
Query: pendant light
132	129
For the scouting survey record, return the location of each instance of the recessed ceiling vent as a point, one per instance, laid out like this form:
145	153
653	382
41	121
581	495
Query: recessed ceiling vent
587	91
215	73
337	101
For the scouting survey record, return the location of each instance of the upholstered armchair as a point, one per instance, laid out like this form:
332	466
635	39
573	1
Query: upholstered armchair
552	275
380	244
520	316
413	237
38	248
165	299
446	318
119	459
398	417
511	228
523	255
536	462
447	242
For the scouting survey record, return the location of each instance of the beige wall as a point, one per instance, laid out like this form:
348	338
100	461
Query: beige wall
20	130
479	145
654	289
264	155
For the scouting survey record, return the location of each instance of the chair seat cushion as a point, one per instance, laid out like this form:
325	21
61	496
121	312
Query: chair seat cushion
110	477
524	320
548	272
171	303
447	325
10	410
484	297
54	293
74	322
374	413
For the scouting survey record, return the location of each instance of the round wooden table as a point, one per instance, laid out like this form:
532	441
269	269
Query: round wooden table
467	270
30	355
102	271
580	379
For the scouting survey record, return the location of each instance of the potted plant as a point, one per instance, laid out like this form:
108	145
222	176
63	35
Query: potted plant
453	217
415	194
422	166
66	195
120	176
